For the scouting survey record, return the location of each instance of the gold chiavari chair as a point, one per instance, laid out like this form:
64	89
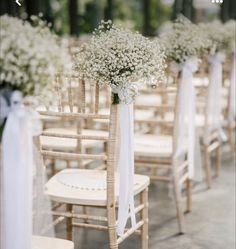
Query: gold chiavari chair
71	99
156	149
210	141
229	100
73	188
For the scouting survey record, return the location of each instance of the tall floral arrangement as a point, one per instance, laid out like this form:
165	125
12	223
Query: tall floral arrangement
230	28
222	36
30	55
184	40
120	58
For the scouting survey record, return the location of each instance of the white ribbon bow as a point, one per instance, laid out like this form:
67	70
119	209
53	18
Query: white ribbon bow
187	138
17	167
214	107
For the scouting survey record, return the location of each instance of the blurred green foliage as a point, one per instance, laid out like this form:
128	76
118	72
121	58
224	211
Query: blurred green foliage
128	13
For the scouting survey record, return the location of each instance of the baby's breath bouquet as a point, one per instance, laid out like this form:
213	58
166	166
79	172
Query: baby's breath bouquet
230	28
30	56
222	36
185	40
120	58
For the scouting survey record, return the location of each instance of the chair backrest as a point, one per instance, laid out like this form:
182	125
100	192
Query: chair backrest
205	100
164	107
77	113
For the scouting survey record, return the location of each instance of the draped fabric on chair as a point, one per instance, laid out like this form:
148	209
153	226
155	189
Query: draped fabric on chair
25	210
213	107
186	135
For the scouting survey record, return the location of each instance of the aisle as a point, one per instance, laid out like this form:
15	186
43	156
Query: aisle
211	225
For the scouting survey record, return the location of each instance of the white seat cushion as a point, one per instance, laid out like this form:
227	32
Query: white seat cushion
153	145
87	191
51	243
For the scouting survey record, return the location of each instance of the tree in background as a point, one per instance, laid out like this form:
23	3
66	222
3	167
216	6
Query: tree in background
108	13
228	10
9	7
32	7
73	17
184	7
146	17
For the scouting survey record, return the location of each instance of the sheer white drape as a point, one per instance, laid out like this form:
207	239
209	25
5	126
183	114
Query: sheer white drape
187	138
126	167
214	105
18	171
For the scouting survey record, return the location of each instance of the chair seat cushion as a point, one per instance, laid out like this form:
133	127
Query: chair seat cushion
51	243
89	189
153	145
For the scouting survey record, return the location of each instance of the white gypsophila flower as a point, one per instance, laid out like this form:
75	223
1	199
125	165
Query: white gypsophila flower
30	56
222	36
119	57
230	29
185	40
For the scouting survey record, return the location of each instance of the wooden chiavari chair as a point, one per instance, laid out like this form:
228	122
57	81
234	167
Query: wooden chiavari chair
99	187
71	99
210	141
156	149
229	101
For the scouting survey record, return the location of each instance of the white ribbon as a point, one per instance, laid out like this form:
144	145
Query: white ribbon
17	167
213	105
232	93
126	167
187	138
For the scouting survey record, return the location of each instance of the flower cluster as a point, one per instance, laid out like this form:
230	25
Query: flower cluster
184	40
118	57
30	55
230	28
222	36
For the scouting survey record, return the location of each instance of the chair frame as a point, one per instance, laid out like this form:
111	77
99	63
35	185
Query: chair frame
179	174
110	160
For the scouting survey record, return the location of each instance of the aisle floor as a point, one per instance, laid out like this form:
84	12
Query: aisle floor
210	225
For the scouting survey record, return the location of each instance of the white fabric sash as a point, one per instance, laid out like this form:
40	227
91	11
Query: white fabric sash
232	93
17	166
187	138
126	167
213	105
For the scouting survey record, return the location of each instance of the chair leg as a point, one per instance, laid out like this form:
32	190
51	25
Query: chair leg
218	160
53	166
113	240
189	195
112	228
207	166
69	228
179	211
144	215
231	132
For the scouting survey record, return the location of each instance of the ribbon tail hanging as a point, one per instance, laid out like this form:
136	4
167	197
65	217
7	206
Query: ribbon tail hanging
17	167
126	167
214	108
185	125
